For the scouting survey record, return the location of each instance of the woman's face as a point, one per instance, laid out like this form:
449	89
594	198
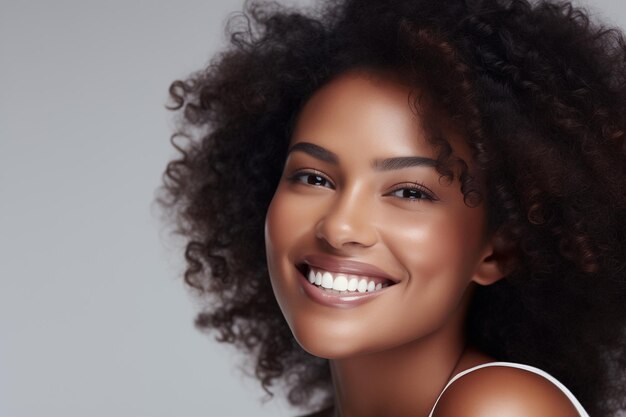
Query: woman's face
340	201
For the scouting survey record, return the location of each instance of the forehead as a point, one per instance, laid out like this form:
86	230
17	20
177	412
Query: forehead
371	113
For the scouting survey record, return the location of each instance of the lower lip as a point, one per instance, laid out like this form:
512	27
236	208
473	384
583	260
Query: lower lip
333	299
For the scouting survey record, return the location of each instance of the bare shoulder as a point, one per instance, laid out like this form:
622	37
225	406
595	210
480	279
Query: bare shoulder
503	391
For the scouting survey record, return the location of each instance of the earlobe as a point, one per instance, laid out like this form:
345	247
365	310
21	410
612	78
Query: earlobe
498	261
489	270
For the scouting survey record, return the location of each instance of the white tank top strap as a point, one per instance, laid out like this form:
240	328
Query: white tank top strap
546	375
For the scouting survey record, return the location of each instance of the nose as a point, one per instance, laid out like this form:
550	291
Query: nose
348	221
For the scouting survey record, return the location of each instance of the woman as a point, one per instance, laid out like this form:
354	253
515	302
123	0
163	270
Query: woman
413	207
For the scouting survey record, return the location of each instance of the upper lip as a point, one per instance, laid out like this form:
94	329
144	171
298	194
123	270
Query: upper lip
346	266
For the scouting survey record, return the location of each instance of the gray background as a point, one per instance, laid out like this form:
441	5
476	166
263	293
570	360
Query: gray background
94	319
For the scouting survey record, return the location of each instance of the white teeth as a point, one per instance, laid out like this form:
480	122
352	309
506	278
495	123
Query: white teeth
353	283
327	280
340	283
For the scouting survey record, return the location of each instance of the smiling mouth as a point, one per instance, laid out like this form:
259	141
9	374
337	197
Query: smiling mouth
342	283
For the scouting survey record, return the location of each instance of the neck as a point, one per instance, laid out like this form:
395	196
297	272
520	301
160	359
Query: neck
404	381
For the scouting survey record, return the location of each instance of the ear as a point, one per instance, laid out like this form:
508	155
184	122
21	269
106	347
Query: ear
499	258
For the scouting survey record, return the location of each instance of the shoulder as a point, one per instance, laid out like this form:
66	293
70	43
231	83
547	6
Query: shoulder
496	391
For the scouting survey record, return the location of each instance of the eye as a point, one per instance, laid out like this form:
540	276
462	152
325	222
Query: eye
311	178
412	192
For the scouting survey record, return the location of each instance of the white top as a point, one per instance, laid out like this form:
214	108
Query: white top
538	371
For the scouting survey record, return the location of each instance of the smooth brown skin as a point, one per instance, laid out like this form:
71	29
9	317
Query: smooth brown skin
393	355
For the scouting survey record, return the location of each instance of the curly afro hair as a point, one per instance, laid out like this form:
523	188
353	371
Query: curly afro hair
539	91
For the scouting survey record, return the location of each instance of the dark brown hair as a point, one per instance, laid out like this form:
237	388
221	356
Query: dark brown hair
539	92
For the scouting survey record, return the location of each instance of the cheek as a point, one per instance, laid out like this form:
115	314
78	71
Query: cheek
288	231
277	242
279	232
439	250
287	228
439	239
436	278
281	224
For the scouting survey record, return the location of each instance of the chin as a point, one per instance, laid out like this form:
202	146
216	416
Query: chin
327	351
329	343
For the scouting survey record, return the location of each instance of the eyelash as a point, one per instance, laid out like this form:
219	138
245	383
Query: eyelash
408	186
294	178
416	187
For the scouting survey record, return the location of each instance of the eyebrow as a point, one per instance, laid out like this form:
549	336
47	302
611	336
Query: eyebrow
387	164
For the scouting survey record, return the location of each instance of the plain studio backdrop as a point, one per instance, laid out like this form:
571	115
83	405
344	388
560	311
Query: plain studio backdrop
94	318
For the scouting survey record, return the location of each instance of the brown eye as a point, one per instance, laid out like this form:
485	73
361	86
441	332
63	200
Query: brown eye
315	179
311	178
412	193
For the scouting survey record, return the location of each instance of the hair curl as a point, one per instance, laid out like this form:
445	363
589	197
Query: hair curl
539	92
